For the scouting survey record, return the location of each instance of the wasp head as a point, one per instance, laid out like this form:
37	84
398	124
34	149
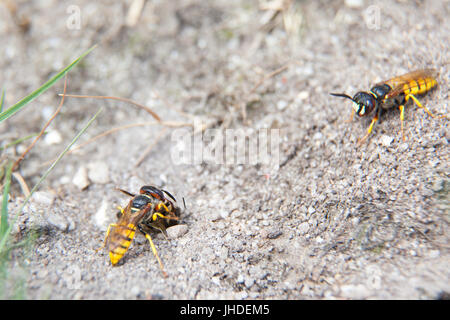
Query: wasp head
152	191
363	102
140	205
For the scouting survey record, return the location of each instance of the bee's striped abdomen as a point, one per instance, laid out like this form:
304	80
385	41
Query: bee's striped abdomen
120	241
419	86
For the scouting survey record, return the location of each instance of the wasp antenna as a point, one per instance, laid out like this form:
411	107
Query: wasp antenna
184	202
343	95
126	192
168	193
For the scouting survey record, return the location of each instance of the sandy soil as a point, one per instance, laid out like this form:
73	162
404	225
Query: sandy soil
334	221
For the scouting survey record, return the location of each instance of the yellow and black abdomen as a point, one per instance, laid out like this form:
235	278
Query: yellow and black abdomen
419	86
414	83
119	241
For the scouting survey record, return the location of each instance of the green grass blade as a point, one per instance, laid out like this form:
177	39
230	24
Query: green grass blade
4	238
19	105
2	100
19	141
4	215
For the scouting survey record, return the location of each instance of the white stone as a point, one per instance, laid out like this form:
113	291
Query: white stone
354	3
177	231
80	179
101	217
43	198
386	140
98	172
53	137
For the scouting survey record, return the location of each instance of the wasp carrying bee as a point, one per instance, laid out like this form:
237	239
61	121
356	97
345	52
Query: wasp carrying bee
151	209
393	92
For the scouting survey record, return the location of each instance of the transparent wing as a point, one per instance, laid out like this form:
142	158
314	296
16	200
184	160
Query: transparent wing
410	79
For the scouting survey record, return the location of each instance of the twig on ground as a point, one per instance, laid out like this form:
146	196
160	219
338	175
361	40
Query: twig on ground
16	164
270	75
170	106
22	183
150	147
153	114
134	12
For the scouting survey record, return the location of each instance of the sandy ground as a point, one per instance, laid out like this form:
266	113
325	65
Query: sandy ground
333	222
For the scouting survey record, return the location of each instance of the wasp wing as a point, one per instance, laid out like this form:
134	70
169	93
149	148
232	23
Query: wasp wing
123	232
410	79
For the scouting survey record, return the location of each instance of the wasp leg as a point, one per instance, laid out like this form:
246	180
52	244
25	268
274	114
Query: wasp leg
155	252
348	120
374	120
402	118
161	205
157	214
120	212
423	107
160	226
106	236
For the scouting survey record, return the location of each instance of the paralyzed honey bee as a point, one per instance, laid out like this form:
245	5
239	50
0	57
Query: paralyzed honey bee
150	209
393	92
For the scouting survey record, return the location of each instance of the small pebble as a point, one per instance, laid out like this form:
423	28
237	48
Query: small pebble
403	147
58	222
101	217
386	140
224	214
303	95
354	291
438	184
53	137
215	216
80	179
248	282
98	172
303	228
43	198
434	254
354	3
135	291
274	234
281	105
177	231
47	112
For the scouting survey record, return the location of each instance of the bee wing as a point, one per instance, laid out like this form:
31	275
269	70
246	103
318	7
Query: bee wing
126	226
397	83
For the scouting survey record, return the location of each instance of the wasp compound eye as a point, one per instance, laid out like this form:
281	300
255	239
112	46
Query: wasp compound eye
364	103
153	191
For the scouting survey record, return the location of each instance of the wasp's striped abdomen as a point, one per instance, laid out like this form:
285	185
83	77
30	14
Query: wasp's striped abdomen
413	83
119	241
419	86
